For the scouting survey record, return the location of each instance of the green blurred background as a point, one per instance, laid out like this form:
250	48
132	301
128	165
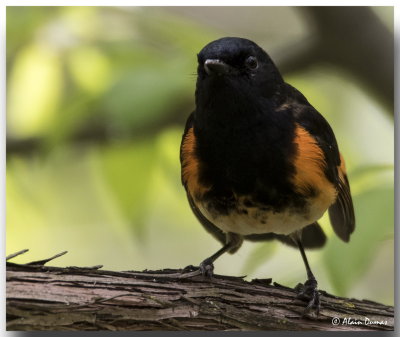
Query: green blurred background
97	98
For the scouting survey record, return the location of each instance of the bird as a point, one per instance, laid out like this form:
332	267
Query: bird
258	161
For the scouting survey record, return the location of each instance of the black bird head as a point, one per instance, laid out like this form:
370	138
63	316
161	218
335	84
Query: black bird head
234	66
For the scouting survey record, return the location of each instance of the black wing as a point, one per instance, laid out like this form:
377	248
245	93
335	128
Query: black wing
341	213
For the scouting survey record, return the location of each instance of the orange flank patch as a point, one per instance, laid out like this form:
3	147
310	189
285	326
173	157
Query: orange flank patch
190	166
342	168
310	164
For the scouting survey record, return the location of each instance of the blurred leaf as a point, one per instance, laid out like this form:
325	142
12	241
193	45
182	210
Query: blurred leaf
346	263
143	96
34	91
258	256
127	169
179	35
168	143
72	118
371	169
23	23
84	22
367	177
90	69
23	204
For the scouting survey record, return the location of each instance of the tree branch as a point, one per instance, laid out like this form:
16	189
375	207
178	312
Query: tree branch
72	298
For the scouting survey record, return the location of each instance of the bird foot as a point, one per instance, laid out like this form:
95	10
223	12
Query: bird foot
207	268
309	292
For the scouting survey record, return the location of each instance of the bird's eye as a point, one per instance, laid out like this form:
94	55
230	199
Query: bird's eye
251	62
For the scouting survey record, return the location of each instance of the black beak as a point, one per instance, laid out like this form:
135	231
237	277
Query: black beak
216	67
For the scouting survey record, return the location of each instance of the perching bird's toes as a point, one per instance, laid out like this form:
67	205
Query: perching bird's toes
207	268
309	292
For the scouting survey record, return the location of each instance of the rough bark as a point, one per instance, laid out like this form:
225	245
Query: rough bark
53	298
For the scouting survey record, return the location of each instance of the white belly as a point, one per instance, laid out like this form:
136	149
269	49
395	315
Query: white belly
258	221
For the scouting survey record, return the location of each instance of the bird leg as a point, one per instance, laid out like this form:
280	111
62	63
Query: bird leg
308	291
207	266
233	242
